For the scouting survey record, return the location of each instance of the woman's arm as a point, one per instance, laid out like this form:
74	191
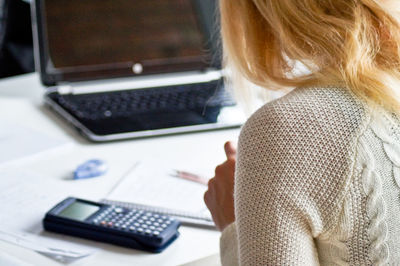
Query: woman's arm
276	209
271	230
293	166
273	236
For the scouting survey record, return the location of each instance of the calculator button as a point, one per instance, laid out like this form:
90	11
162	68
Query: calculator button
163	225
144	226
118	210
103	222
132	228
140	230
136	224
156	233
148	231
152	228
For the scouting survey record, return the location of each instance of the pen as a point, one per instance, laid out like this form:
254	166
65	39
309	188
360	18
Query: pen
190	176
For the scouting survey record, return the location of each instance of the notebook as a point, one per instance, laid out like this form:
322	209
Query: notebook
118	69
157	189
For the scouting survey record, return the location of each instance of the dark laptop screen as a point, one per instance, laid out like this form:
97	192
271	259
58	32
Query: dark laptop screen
99	39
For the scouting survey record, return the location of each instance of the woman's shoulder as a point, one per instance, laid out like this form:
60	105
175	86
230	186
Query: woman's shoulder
303	145
317	110
311	130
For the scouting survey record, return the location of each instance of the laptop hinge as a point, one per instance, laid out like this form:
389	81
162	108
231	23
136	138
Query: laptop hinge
153	81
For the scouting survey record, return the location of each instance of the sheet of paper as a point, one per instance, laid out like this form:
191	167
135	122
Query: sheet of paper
211	260
152	183
61	251
6	259
25	199
18	142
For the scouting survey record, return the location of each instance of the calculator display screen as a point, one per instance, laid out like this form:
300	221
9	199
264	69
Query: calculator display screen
79	211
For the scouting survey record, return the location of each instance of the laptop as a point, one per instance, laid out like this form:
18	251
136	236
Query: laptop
117	69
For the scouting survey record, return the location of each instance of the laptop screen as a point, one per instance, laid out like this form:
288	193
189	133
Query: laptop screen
83	40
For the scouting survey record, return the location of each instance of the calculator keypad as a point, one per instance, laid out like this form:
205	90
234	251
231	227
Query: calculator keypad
136	221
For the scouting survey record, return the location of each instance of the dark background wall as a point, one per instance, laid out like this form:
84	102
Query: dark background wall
16	53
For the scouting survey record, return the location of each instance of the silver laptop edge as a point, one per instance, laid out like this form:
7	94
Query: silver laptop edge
151	81
238	116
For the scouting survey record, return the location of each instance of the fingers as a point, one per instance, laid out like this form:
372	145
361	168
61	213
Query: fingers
220	188
206	198
230	150
210	190
219	195
210	183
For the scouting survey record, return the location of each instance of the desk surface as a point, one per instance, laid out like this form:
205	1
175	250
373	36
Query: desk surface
20	102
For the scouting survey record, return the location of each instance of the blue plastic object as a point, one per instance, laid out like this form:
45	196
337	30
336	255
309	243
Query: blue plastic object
91	168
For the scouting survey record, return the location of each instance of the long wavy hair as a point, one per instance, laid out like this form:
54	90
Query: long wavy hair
350	42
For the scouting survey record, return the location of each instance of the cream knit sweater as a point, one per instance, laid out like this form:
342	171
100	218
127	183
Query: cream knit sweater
317	183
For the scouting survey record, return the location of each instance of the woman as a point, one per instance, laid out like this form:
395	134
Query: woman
317	177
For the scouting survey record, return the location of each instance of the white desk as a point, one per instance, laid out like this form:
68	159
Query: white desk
20	101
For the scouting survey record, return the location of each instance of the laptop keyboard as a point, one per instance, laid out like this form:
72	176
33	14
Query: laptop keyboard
127	103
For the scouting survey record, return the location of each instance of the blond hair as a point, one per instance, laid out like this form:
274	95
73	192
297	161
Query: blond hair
350	42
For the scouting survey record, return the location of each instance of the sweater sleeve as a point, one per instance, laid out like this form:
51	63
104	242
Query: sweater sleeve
292	167
275	216
229	246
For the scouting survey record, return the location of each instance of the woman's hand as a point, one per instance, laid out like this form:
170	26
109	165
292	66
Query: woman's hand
219	196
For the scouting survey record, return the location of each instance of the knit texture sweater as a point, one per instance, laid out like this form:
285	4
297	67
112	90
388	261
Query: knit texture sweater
317	183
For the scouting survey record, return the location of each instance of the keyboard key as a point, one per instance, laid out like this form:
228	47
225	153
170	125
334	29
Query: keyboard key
127	103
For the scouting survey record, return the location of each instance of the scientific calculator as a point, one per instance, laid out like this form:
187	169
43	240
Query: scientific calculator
131	228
